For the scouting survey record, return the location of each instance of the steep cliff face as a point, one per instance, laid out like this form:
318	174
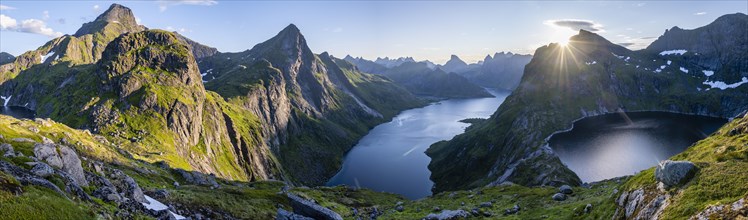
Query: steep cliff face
591	76
312	107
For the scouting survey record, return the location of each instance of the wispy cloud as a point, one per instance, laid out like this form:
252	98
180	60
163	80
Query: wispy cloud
164	4
5	7
178	30
640	4
45	15
33	26
700	13
96	8
576	24
636	43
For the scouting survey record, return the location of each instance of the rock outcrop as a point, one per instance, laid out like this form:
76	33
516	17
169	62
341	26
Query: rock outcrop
674	173
308	208
66	159
448	215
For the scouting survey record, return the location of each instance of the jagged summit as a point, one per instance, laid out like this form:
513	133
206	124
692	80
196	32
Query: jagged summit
289	41
116	14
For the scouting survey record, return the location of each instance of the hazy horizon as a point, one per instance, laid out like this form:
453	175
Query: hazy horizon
422	30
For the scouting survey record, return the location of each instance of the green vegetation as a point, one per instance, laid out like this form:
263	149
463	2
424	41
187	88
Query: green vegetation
42	203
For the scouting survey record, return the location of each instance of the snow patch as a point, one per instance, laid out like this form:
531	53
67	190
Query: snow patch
202	75
672	52
45	57
627	59
243	66
722	85
155	205
683	70
708	72
590	63
6	99
669	62
619	57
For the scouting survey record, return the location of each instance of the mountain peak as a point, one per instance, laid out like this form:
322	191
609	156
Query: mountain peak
290	29
454	57
115	14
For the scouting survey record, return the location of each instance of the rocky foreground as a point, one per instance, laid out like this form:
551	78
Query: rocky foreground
64	173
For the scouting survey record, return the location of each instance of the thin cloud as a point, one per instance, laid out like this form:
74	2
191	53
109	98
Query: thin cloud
178	30
96	8
5	7
45	15
700	13
576	24
164	4
33	26
637	43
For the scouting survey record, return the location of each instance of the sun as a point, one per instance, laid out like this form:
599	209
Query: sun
564	42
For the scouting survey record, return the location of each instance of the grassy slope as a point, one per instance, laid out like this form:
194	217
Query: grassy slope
722	159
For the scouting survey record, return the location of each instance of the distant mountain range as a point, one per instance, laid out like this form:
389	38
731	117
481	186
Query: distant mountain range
502	71
421	78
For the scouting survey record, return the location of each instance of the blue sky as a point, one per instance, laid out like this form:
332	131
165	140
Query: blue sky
421	29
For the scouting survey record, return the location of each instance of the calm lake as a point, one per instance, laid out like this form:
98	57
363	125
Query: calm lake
607	146
17	112
390	157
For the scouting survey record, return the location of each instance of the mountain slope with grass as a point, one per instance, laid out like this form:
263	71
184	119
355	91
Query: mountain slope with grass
313	108
590	76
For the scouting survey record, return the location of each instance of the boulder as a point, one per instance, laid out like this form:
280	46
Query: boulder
559	197
674	173
448	215
42	170
286	215
566	189
513	210
633	200
308	208
486	205
127	186
71	164
48	153
588	208
7	150
160	194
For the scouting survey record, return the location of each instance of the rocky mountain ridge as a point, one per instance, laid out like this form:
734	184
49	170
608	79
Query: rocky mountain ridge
145	93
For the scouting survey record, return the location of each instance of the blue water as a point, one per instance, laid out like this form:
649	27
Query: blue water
391	158
614	145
